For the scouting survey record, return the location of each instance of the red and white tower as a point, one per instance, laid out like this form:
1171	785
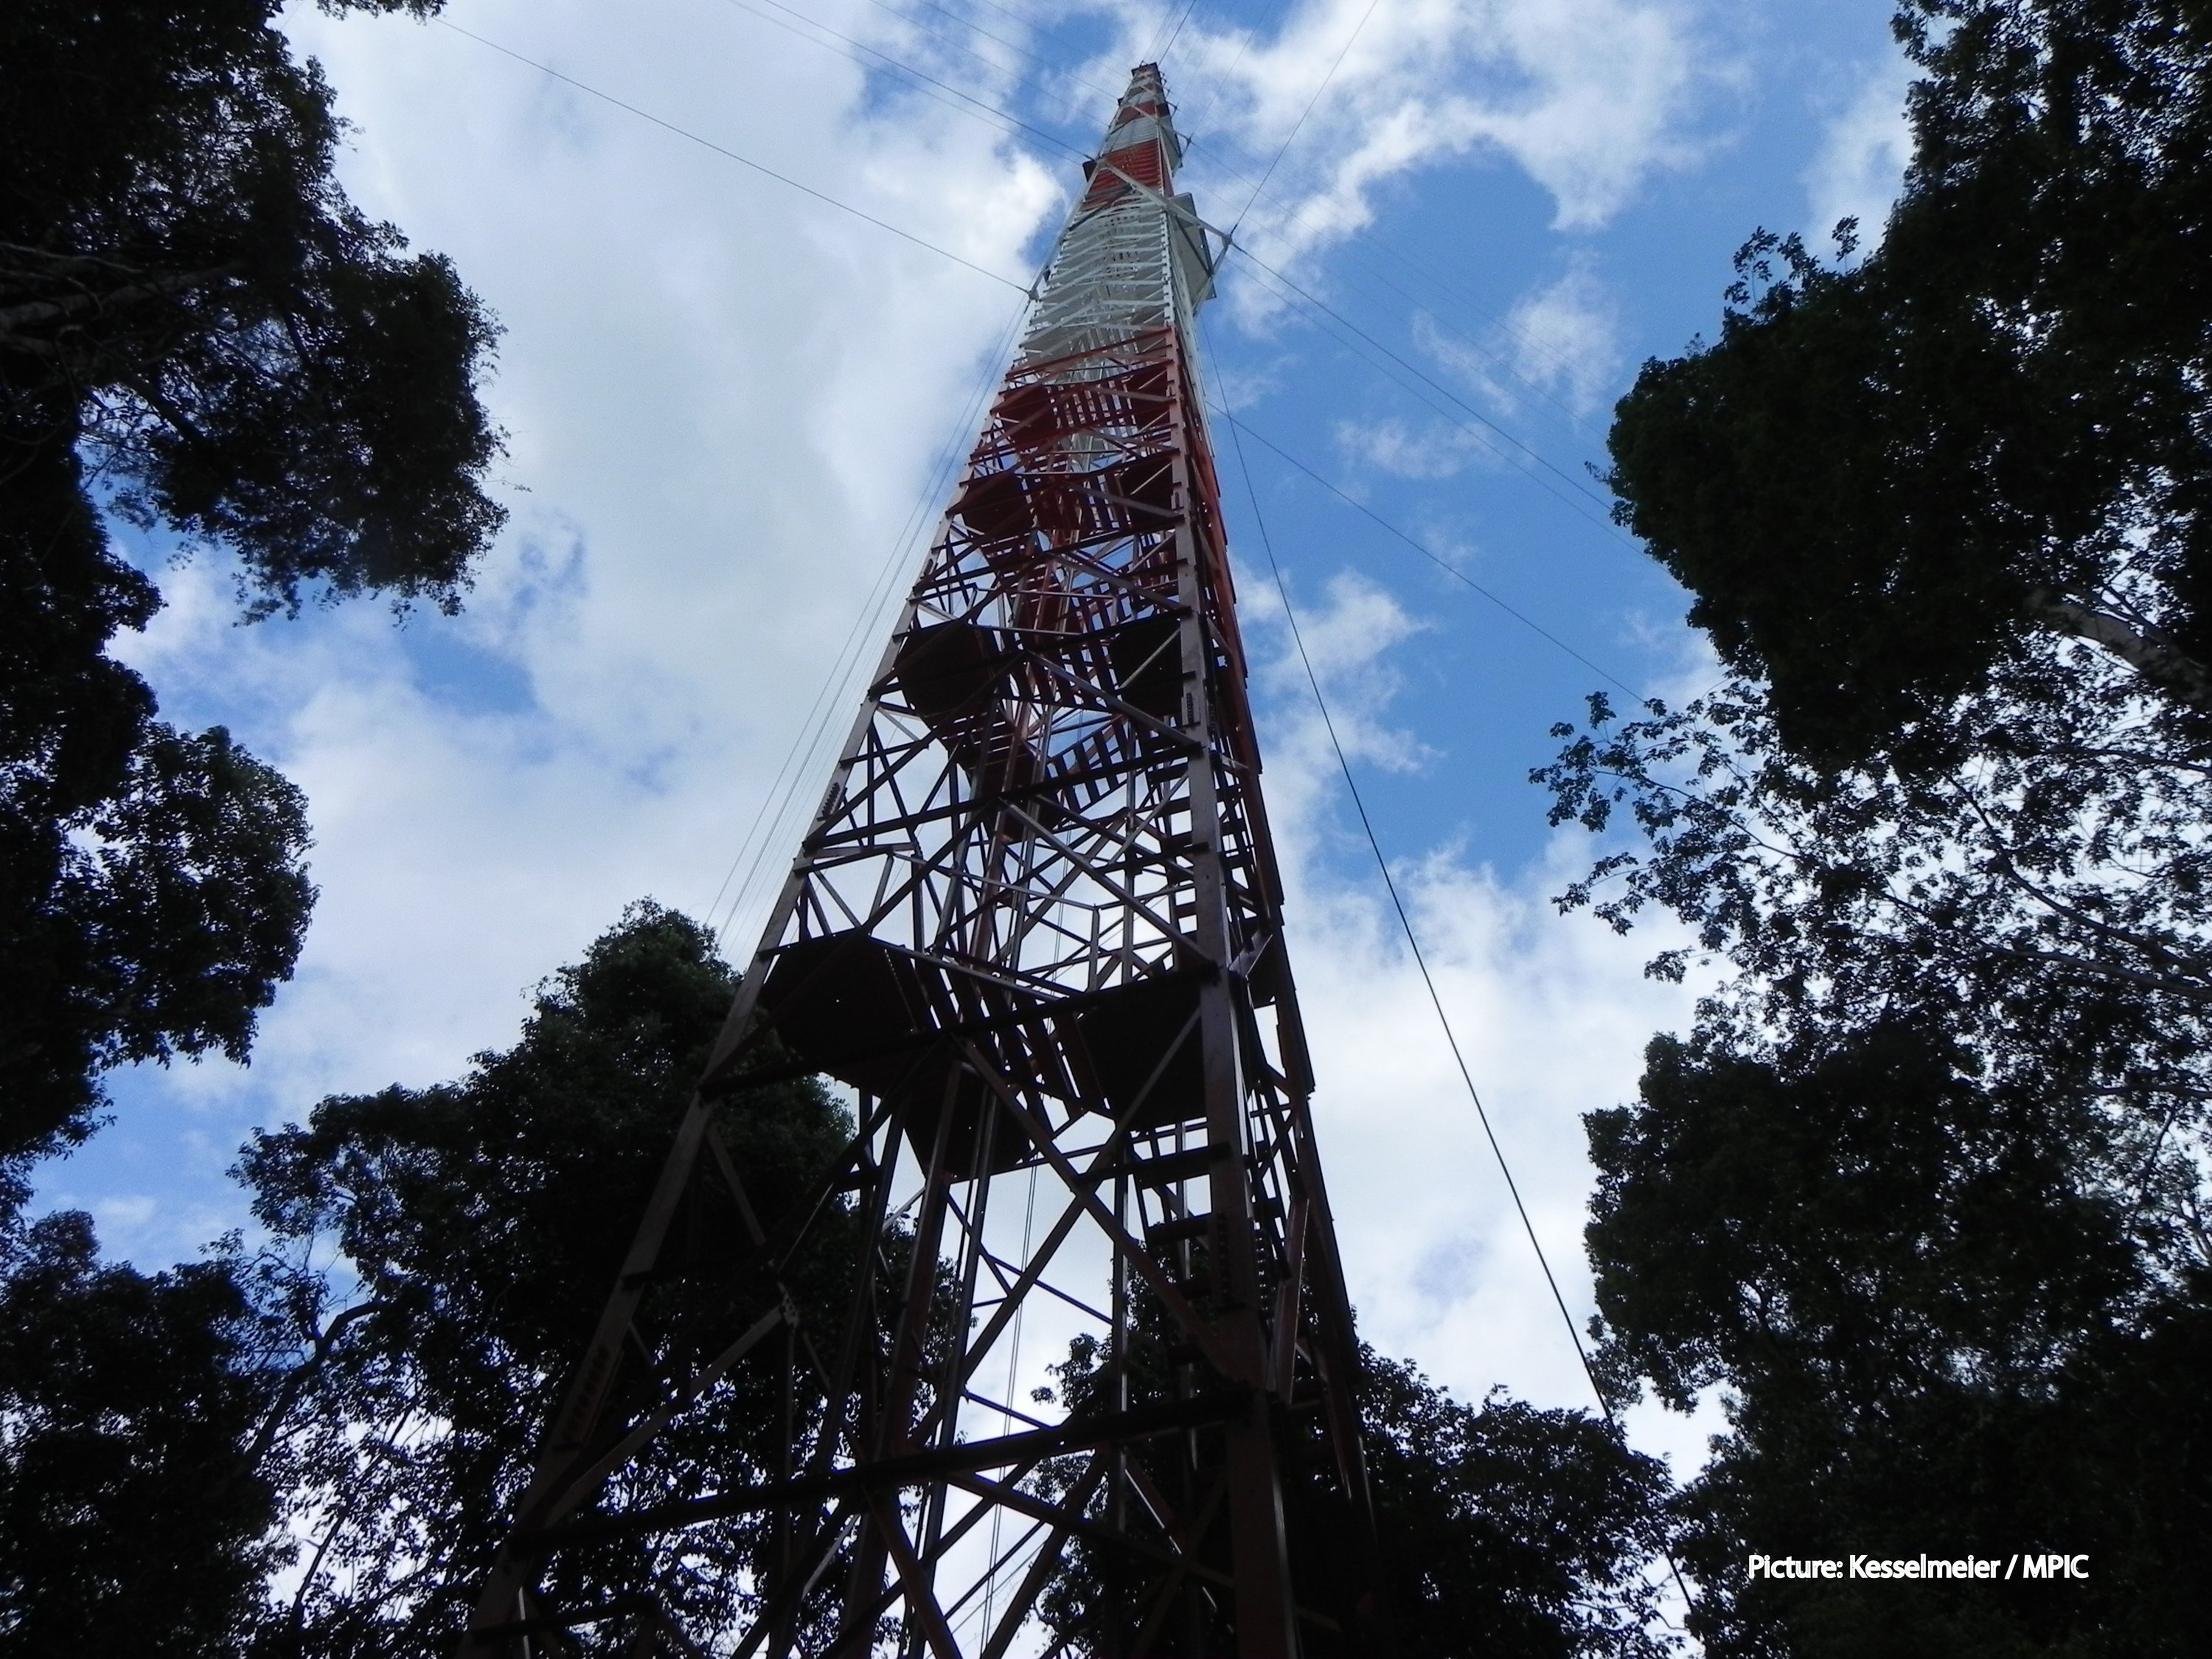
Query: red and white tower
1036	927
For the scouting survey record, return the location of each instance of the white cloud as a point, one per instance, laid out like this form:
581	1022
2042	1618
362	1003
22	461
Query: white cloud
728	388
1435	450
1589	97
1566	338
1559	343
1862	157
1347	641
125	1212
723	400
1556	355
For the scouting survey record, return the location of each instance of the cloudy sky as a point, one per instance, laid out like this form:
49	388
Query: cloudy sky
729	402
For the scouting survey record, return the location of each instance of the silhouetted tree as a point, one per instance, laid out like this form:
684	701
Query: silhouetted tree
198	330
1944	1326
478	1226
1887	483
1920	1194
134	1518
1505	1530
187	296
1513	1530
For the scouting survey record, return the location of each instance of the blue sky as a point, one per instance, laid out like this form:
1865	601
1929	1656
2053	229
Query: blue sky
726	398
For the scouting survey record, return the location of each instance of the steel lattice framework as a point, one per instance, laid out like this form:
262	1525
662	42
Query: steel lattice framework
1036	926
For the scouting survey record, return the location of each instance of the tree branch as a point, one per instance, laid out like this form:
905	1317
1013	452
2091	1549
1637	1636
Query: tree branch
14	318
287	1391
2144	652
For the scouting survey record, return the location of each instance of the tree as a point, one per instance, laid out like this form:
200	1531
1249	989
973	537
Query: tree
1883	483
1505	1531
152	887
1940	1328
132	1516
347	1418
1922	1192
1510	1530
199	331
186	294
478	1226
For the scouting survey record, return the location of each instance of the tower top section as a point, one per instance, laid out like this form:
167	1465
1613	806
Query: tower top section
1133	255
1140	142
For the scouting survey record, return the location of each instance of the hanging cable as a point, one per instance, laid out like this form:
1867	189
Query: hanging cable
1356	239
1042	62
1316	303
806	739
1027	289
983	108
1011	16
1413	943
806	745
1390	884
1512	453
964	22
1323	306
1213	102
986	108
1013	1362
1312	300
1299	124
1157	55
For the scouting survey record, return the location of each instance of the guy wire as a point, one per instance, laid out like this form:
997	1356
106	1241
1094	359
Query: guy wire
1413	944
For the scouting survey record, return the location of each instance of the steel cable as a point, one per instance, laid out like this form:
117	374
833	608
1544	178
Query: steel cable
1414	946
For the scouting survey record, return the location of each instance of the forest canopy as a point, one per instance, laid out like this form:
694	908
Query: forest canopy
1921	1194
199	335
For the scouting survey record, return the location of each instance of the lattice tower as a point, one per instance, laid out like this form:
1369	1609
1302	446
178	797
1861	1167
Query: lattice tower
1036	928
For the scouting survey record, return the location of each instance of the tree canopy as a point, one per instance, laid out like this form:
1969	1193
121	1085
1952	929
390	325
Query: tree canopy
186	294
315	1448
1504	1530
1885	482
134	1518
198	331
1509	1530
480	1224
1921	1193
